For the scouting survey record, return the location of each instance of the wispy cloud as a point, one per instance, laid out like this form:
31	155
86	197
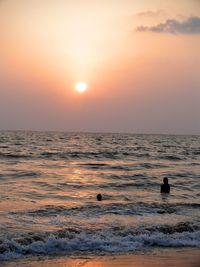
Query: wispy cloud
188	26
150	13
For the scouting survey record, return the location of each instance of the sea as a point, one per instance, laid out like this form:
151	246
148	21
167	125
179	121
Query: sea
49	182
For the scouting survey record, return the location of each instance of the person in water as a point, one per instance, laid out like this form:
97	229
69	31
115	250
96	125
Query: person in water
165	187
99	197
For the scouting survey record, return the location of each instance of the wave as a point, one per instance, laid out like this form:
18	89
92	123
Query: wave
81	155
131	176
172	157
13	156
136	208
20	174
93	155
72	241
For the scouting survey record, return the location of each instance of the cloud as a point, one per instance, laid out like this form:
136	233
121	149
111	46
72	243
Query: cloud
188	26
150	13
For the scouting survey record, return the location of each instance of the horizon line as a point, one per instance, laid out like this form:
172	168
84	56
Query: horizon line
100	132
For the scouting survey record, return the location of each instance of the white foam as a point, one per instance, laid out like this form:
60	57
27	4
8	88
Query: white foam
102	242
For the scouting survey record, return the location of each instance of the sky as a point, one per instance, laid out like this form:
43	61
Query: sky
139	59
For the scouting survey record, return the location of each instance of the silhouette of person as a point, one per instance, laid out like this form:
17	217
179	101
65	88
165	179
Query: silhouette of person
99	197
165	187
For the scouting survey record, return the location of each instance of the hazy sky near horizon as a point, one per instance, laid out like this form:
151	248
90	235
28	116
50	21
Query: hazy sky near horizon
140	60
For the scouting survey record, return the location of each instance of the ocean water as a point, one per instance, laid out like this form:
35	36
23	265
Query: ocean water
49	182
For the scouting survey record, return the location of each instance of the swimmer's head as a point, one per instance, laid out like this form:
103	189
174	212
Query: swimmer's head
99	197
165	180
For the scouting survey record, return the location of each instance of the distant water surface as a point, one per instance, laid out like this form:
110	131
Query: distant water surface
49	182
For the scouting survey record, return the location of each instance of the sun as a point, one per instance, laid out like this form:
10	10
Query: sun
81	87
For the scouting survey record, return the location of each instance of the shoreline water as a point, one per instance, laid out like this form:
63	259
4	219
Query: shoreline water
185	257
49	183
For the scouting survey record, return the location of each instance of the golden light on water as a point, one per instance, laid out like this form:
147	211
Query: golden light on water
81	87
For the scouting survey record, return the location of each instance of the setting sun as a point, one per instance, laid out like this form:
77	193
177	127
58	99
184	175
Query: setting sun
81	87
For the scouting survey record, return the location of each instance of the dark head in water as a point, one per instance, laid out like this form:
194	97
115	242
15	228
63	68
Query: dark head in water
99	197
165	187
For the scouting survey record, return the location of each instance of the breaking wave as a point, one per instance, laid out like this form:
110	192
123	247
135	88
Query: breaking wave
73	241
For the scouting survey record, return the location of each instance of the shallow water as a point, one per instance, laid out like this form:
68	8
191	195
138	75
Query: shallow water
49	182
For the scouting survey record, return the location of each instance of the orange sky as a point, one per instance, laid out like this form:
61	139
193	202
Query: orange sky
141	69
